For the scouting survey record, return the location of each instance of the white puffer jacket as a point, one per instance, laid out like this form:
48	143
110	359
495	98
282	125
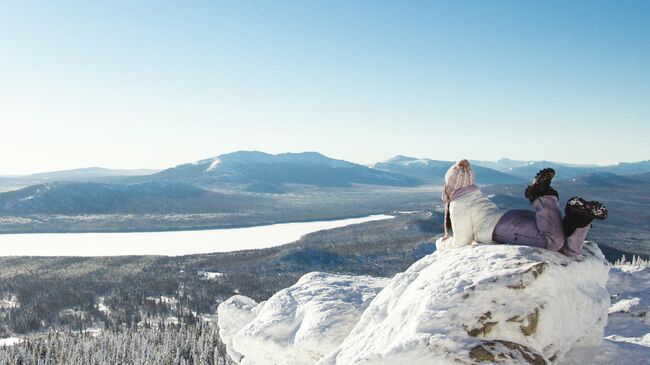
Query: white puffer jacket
473	218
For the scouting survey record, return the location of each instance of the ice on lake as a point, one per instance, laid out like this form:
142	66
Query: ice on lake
165	243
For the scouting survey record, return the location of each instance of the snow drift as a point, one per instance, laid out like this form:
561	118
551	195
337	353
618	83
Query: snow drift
299	324
483	303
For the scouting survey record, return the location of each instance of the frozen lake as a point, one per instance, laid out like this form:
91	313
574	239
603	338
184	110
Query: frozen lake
165	243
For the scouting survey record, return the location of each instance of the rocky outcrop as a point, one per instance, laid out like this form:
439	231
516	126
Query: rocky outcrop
472	305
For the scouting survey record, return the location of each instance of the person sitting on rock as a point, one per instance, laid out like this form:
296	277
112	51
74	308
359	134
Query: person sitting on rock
473	217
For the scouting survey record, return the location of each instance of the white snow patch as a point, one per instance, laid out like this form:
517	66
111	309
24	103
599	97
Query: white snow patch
164	300
418	161
94	331
102	307
624	305
643	341
208	275
10	302
9	341
213	165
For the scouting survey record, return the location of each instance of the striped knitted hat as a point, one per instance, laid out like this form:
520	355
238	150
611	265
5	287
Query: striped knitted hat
458	176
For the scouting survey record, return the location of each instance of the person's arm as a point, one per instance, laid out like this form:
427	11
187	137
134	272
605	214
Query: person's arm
461	221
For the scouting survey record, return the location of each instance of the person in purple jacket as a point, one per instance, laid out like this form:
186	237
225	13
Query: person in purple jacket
474	218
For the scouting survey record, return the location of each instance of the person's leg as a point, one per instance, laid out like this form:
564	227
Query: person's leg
548	221
575	241
542	228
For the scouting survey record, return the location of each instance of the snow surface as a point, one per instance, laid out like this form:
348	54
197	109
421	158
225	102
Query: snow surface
213	165
10	302
166	243
627	335
299	324
515	304
102	307
210	275
163	299
9	341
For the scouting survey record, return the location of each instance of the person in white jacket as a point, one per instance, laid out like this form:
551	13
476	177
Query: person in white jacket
474	218
473	215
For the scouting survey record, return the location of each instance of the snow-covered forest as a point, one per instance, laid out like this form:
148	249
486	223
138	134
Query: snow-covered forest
172	344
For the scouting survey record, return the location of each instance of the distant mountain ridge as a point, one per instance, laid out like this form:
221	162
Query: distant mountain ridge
260	172
527	169
263	172
433	171
100	198
505	164
86	174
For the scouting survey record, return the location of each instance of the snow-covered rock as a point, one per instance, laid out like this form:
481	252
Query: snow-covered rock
299	324
233	315
484	303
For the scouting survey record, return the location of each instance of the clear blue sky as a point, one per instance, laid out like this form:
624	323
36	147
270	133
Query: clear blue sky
129	84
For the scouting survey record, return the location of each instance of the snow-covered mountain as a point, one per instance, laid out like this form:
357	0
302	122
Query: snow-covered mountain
566	170
263	172
477	304
433	171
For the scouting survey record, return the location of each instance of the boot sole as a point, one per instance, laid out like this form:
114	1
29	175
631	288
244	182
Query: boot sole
593	209
542	179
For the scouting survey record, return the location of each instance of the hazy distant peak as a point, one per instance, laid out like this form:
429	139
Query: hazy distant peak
505	159
405	160
401	158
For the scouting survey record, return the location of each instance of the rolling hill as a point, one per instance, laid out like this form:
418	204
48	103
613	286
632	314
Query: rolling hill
98	198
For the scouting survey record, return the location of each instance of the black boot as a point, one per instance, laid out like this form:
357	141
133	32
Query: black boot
541	185
579	213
